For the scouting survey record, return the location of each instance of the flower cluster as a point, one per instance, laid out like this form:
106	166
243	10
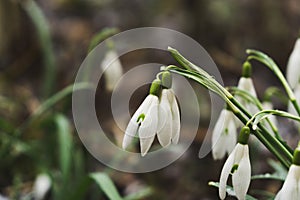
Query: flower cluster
157	115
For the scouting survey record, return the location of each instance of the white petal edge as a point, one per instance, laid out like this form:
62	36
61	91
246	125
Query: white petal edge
293	69
242	176
164	130
130	132
289	188
175	118
246	84
219	126
225	173
132	127
148	127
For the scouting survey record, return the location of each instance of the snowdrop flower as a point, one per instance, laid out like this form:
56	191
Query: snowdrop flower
291	187
145	120
224	135
112	68
41	186
293	66
168	114
246	84
237	164
155	115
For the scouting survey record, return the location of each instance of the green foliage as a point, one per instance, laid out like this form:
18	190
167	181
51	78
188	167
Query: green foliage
229	190
42	29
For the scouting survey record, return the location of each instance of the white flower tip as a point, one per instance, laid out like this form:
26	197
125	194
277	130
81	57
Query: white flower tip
175	139
222	192
41	186
254	127
164	140
145	144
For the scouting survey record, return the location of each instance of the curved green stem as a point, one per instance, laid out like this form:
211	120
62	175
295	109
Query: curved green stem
255	101
265	59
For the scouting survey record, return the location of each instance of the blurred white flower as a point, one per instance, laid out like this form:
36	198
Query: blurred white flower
3	197
224	135
169	119
237	164
112	68
291	187
144	123
267	105
293	66
41	186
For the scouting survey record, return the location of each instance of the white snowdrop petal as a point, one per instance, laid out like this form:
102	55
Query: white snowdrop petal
224	135
293	66
163	106
242	176
130	132
164	130
246	84
133	125
219	150
225	173
219	126
148	127
239	153
145	144
175	118
143	107
290	187
113	69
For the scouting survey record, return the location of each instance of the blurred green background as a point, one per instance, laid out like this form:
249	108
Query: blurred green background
42	44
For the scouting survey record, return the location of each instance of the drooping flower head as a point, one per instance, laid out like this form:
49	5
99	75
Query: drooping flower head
168	113
246	84
145	120
291	186
158	114
224	135
237	164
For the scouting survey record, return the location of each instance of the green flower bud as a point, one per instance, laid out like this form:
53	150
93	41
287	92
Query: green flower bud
166	79
247	69
155	88
244	135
